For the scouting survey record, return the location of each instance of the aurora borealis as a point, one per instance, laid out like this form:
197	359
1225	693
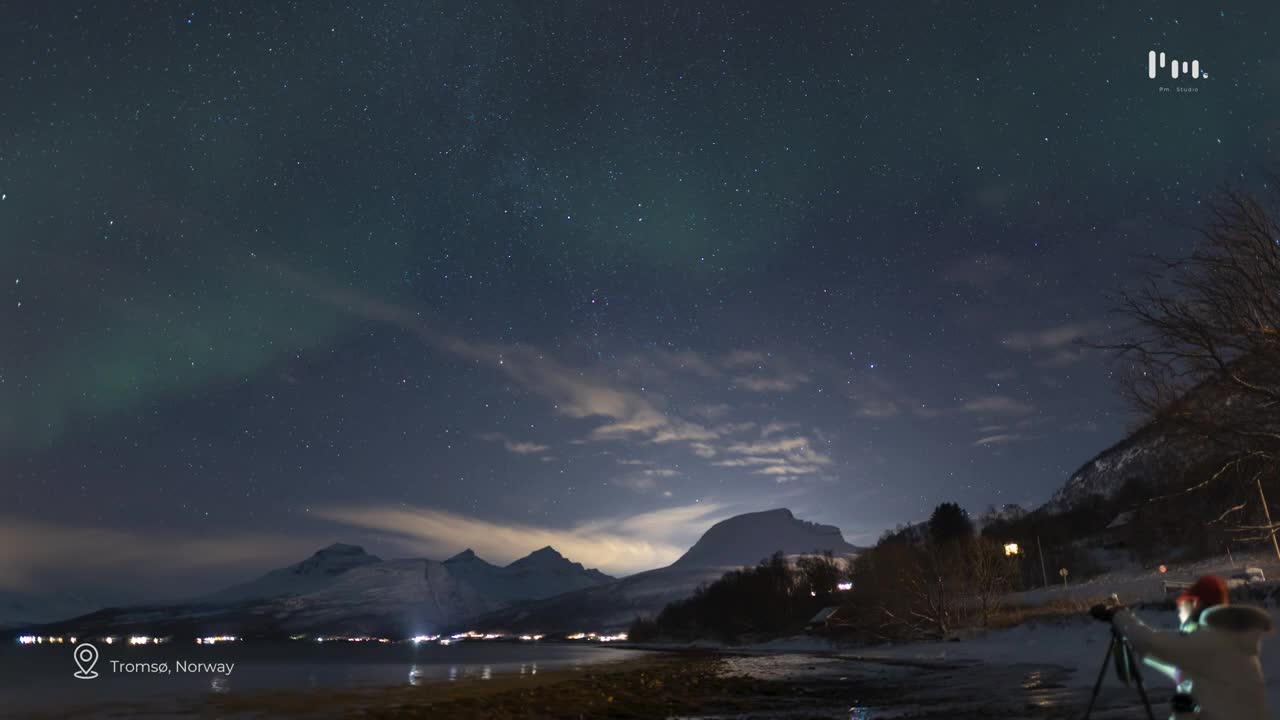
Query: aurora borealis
409	274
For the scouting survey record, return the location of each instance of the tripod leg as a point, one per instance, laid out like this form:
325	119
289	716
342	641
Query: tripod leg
1097	685
1137	676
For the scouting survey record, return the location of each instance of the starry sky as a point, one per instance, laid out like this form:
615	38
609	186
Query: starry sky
595	274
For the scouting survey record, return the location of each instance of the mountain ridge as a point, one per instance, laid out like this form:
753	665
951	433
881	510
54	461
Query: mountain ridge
727	545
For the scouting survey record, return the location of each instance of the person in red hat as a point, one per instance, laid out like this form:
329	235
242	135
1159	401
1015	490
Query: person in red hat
1214	656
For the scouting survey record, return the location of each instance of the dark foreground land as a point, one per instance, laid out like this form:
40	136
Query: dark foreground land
686	685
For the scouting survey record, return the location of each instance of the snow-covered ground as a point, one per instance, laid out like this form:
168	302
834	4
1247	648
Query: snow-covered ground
1145	584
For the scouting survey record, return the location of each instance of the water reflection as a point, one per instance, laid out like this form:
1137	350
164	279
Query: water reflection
1045	688
415	675
486	673
220	684
453	673
859	713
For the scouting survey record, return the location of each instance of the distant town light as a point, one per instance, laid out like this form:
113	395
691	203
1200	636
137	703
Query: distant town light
1164	569
844	586
217	639
1011	548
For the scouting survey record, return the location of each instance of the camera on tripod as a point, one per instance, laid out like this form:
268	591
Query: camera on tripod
1184	706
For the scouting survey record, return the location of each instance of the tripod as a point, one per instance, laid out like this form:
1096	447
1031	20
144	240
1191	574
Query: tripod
1132	667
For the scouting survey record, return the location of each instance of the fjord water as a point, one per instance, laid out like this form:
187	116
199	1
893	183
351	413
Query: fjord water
41	678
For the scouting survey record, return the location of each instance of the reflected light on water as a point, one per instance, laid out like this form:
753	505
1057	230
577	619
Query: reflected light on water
486	673
415	676
1044	689
859	713
220	684
453	673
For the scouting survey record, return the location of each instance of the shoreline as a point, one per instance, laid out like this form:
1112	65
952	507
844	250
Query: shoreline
685	683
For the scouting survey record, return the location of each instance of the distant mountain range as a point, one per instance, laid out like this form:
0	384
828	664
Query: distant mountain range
729	544
342	590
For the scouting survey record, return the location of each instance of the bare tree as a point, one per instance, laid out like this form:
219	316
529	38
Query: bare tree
990	574
1203	362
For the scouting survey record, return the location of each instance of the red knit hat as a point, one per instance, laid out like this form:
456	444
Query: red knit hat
1209	590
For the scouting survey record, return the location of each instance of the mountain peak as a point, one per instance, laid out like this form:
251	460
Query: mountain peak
332	560
341	549
464	556
544	556
751	537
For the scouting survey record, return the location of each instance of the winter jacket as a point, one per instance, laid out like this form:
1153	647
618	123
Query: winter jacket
1220	658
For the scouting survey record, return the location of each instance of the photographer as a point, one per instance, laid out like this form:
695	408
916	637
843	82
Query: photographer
1216	652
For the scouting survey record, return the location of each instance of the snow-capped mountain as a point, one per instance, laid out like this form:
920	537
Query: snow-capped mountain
740	540
540	574
343	589
307	576
745	539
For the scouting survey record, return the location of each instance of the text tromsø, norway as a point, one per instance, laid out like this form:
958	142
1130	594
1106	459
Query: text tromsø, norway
178	666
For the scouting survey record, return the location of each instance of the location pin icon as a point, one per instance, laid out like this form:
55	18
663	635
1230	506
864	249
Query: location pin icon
86	657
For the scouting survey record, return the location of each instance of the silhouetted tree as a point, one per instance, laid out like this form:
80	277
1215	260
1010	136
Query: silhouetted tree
950	524
819	575
765	599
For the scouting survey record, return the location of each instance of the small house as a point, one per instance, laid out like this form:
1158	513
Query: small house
827	617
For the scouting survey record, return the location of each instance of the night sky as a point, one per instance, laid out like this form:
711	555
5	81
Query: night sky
430	275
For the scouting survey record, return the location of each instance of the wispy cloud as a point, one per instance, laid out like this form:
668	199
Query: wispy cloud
781	382
776	427
643	481
624	412
875	396
782	458
1053	347
623	544
703	450
573	392
1002	439
739	358
517	447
